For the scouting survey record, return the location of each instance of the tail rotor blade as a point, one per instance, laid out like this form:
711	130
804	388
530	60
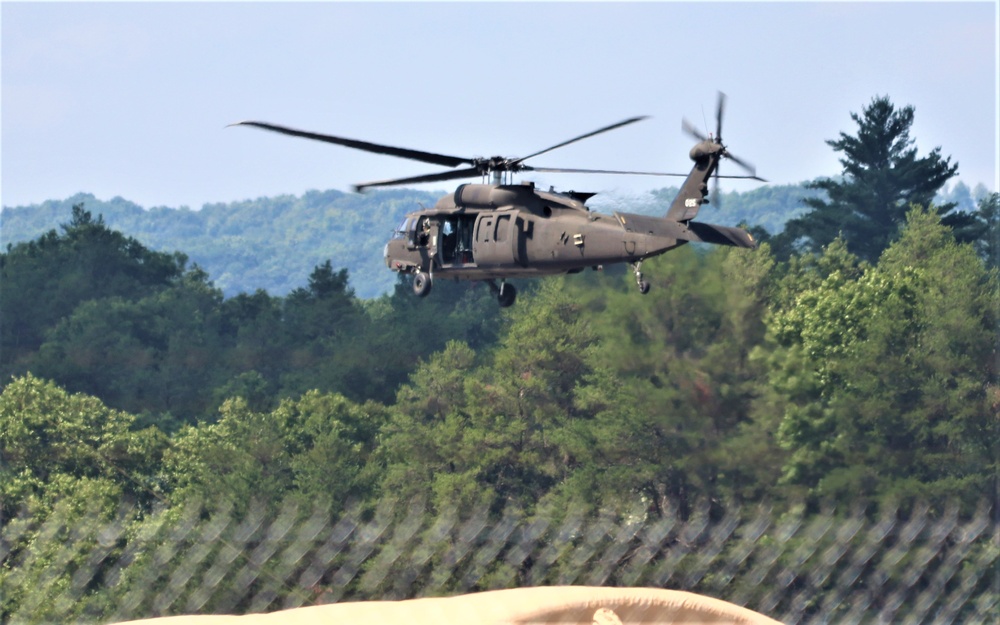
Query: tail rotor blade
718	116
716	200
745	165
692	130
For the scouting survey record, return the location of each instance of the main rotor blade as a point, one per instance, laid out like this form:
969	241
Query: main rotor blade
468	172
417	155
559	170
589	134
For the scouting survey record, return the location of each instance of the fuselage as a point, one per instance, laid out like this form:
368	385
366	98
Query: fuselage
501	231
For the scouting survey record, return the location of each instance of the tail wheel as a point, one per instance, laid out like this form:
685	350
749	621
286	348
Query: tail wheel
507	295
421	284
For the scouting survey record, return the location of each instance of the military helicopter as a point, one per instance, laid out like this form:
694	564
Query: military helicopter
501	230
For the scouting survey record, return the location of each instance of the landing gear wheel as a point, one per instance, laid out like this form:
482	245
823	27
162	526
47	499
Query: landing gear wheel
643	285
421	284
506	295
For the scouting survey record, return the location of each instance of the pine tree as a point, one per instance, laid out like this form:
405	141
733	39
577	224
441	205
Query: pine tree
881	179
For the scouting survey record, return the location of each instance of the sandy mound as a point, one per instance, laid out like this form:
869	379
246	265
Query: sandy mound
562	605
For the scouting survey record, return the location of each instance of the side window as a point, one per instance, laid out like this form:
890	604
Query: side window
503	225
423	232
411	233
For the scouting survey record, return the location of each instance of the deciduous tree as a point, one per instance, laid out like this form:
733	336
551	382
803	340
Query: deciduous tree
886	379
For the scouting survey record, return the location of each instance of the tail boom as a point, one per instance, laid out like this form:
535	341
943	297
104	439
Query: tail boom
719	235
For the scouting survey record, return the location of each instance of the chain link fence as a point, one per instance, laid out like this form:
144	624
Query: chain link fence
914	564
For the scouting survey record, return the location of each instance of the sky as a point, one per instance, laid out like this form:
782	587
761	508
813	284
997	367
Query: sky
133	100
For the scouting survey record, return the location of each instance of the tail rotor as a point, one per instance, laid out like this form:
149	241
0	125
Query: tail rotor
716	146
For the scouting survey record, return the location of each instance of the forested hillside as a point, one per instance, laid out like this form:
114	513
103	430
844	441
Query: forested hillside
822	368
267	243
273	243
102	314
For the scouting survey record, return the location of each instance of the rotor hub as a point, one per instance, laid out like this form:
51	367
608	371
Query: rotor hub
705	149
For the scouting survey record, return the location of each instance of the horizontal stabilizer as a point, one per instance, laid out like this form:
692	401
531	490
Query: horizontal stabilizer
720	235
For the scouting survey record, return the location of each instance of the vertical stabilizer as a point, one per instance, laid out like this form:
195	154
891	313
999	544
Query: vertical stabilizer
692	194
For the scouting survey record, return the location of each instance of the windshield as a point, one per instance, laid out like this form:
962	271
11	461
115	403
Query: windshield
400	230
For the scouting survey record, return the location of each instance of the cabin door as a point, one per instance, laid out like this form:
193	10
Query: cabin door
496	240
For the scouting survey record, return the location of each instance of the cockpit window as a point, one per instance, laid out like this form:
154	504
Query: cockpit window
400	231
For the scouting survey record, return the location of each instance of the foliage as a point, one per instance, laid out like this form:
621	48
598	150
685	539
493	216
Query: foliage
735	372
740	377
49	439
203	558
150	338
988	243
155	354
316	447
88	261
886	379
882	178
492	433
64	459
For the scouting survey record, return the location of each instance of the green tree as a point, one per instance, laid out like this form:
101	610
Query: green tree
69	465
405	330
321	323
45	280
49	439
316	447
426	422
48	569
882	178
988	241
161	354
681	363
461	435
251	326
887	379
743	453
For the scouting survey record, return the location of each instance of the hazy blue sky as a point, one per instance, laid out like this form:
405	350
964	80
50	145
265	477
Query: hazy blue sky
132	99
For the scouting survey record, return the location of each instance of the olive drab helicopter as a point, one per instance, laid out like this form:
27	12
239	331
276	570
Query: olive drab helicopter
500	230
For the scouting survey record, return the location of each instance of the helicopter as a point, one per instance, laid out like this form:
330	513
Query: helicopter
498	230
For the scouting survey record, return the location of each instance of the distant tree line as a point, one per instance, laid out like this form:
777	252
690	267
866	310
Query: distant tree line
264	243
